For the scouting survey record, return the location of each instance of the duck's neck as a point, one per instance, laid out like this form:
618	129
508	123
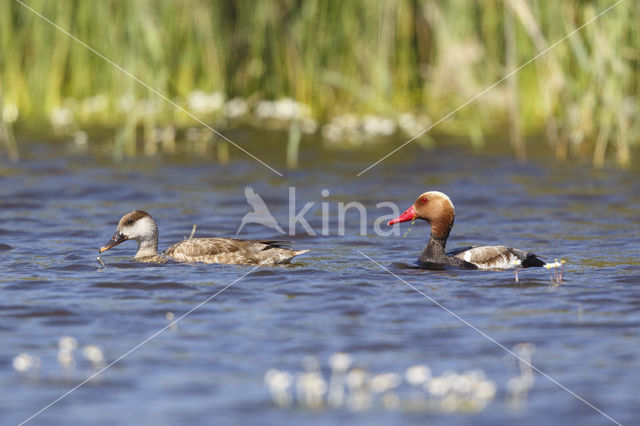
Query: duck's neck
440	229
434	252
148	247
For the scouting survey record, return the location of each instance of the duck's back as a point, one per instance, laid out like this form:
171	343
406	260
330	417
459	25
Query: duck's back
231	251
496	257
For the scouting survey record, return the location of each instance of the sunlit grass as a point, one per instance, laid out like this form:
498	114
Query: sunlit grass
408	62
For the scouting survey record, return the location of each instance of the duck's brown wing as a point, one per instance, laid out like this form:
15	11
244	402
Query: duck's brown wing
231	250
204	247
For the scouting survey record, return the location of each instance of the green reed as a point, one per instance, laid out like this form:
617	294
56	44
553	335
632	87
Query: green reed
337	57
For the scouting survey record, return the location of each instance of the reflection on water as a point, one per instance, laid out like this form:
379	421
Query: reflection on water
57	208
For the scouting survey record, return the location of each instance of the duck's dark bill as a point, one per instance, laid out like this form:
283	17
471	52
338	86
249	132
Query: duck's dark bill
408	215
114	241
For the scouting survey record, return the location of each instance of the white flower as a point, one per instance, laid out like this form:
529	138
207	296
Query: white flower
413	125
485	390
203	103
311	388
10	113
341	128
381	383
173	325
278	380
373	125
25	362
555	264
340	361
347	121
286	109
437	386
61	117
386	127
417	374
94	355
279	383
67	343
65	359
236	107
407	122
356	378
265	109
80	138
309	126
332	132
461	383
126	103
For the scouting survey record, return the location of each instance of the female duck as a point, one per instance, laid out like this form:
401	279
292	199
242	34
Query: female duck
437	209
140	227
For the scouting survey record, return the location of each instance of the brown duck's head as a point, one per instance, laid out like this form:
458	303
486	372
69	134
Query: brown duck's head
434	207
136	225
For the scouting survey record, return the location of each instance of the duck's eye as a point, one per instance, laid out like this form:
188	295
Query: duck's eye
424	200
129	221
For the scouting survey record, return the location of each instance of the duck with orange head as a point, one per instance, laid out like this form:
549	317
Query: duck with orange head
437	209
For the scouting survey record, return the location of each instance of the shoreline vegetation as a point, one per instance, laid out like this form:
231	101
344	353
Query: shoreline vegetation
352	73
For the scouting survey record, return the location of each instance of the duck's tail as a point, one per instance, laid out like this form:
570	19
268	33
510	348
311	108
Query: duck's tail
532	261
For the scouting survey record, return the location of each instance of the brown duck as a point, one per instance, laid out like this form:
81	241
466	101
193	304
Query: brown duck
437	209
140	227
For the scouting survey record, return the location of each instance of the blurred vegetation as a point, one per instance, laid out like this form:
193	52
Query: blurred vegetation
399	59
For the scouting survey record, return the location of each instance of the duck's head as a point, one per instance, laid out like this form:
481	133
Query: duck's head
434	207
136	225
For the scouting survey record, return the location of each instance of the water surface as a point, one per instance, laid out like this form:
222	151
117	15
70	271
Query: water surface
57	206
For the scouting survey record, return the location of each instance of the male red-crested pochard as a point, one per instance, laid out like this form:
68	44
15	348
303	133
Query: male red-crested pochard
437	209
140	227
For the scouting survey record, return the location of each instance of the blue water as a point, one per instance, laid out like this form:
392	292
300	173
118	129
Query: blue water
58	206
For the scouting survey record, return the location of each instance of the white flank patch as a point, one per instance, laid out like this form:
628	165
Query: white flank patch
503	261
